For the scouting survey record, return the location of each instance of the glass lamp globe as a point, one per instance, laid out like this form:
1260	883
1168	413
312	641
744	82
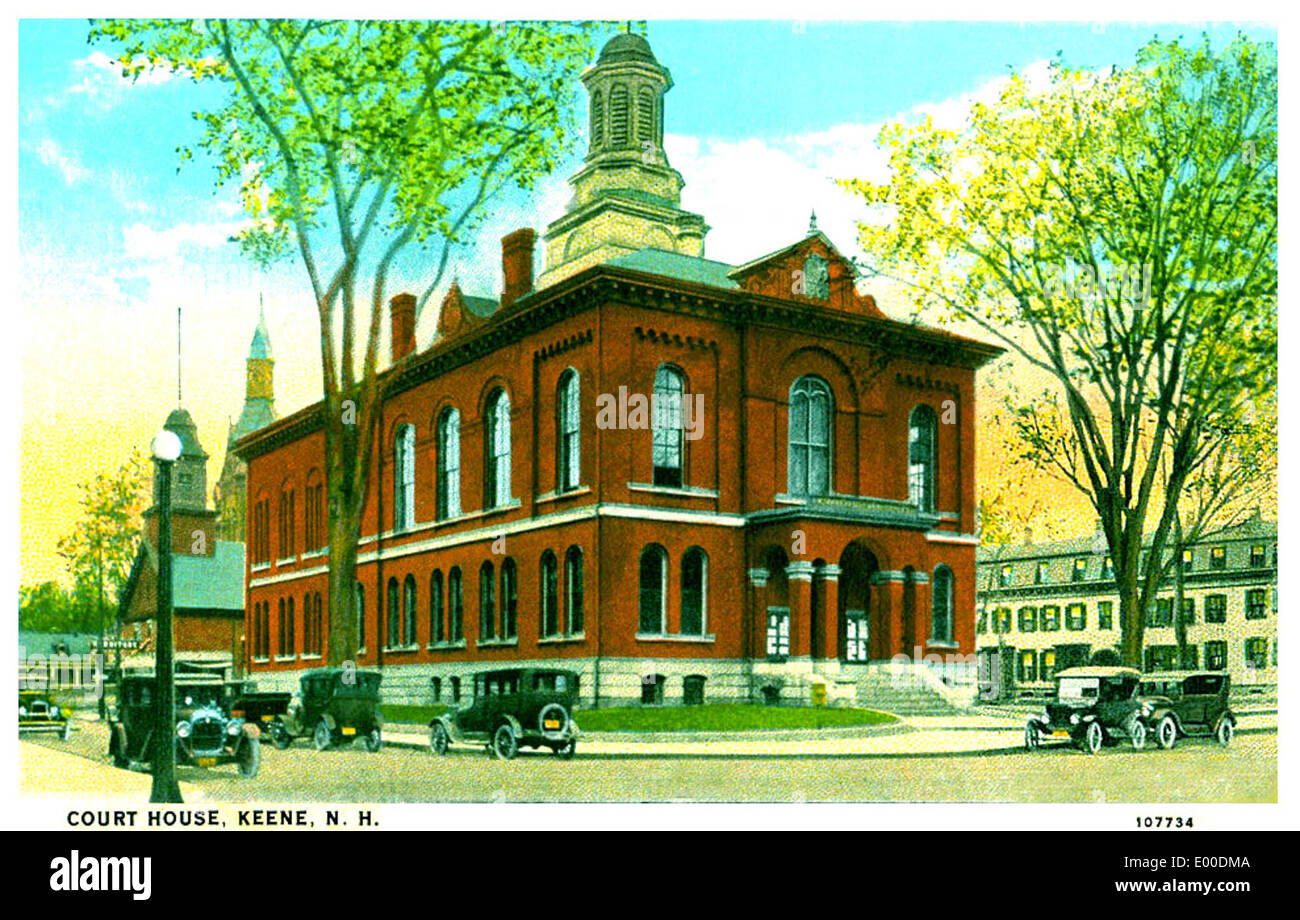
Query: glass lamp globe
166	446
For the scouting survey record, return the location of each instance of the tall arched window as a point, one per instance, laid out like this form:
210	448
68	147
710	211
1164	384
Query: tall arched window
695	580
567	432
920	458
282	648
573	590
487	604
437	612
496	468
549	624
597	120
653	590
455	606
359	601
619	117
306	623
448	485
941	601
394	615
404	478
408	610
509	599
667	437
318	625
809	470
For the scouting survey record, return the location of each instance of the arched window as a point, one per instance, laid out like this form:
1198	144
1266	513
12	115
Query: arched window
550	606
920	458
455	606
619	117
567	432
695	580
394	615
280	649
306	624
437	619
509	599
404	478
809	469
448	474
645	116
653	590
359	601
314	525
318	624
408	610
487	605
667	437
597	120
941	589
291	648
573	590
496	468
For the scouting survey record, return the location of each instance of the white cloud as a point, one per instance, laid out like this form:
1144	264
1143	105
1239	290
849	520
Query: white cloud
52	154
145	244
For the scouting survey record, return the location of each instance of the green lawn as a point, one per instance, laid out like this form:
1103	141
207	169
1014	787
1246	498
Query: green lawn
723	717
422	715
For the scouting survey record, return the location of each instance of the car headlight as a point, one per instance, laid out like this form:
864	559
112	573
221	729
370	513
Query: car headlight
232	728
1147	709
183	730
54	712
22	712
1074	718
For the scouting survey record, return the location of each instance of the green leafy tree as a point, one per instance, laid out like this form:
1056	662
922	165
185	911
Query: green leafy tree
352	143
52	607
1117	230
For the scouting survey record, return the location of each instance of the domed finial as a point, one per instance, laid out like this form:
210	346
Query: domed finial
812	224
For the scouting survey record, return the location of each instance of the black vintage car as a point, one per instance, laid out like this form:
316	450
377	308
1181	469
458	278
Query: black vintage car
333	706
37	713
513	708
1189	704
206	732
1094	706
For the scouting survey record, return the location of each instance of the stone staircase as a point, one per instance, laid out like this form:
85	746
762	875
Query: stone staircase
910	689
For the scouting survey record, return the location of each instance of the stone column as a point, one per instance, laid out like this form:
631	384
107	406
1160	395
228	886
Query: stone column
800	575
888	599
755	637
828	580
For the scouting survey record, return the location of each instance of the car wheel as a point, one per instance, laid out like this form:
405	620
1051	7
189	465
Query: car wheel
438	740
1093	737
504	743
1032	739
249	758
1137	735
567	750
374	741
1223	732
1167	733
280	736
320	738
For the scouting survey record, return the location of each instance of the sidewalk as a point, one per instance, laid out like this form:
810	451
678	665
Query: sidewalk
45	773
915	736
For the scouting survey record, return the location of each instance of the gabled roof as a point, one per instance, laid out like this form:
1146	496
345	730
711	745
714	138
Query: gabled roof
741	270
213	582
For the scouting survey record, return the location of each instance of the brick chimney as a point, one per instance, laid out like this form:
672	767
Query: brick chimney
401	315
517	264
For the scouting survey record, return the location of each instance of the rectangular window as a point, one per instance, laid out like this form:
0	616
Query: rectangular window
1051	618
1257	653
1187	560
1162	613
1218	557
1258	556
1076	617
1028	619
1004	620
855	635
1108	568
1256	604
1189	611
1161	657
1080	570
982	623
1216	608
778	632
1041	572
1028	670
1047	664
1216	655
1105	615
1004	576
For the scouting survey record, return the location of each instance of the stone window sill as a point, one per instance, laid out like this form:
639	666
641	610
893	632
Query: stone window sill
673	637
446	646
401	648
497	643
560	640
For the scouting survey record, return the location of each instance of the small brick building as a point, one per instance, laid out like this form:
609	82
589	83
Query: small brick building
685	479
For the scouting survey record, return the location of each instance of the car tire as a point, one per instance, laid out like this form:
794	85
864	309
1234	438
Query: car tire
321	738
249	758
1032	739
1137	734
438	740
1224	731
1167	733
1094	736
374	741
280	736
504	743
567	750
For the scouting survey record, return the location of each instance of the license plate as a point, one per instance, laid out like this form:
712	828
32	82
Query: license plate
348	730
1060	734
207	761
551	724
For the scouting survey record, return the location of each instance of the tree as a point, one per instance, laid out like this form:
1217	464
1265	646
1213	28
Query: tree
99	550
1118	231
376	137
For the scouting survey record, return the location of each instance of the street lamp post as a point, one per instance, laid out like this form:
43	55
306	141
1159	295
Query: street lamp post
166	450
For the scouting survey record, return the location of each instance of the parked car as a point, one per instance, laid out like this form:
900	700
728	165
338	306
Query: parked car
261	709
1093	706
1189	704
513	708
37	713
206	732
332	706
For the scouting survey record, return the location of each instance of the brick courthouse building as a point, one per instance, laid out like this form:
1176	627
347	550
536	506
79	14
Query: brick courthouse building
543	493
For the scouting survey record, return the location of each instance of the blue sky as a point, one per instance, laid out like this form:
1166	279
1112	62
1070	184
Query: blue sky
112	238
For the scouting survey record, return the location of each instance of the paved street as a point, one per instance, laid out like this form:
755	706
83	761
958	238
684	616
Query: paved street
1193	772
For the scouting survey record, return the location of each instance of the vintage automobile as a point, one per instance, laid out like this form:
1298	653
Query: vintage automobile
513	708
332	706
1094	705
37	713
206	732
1189	704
